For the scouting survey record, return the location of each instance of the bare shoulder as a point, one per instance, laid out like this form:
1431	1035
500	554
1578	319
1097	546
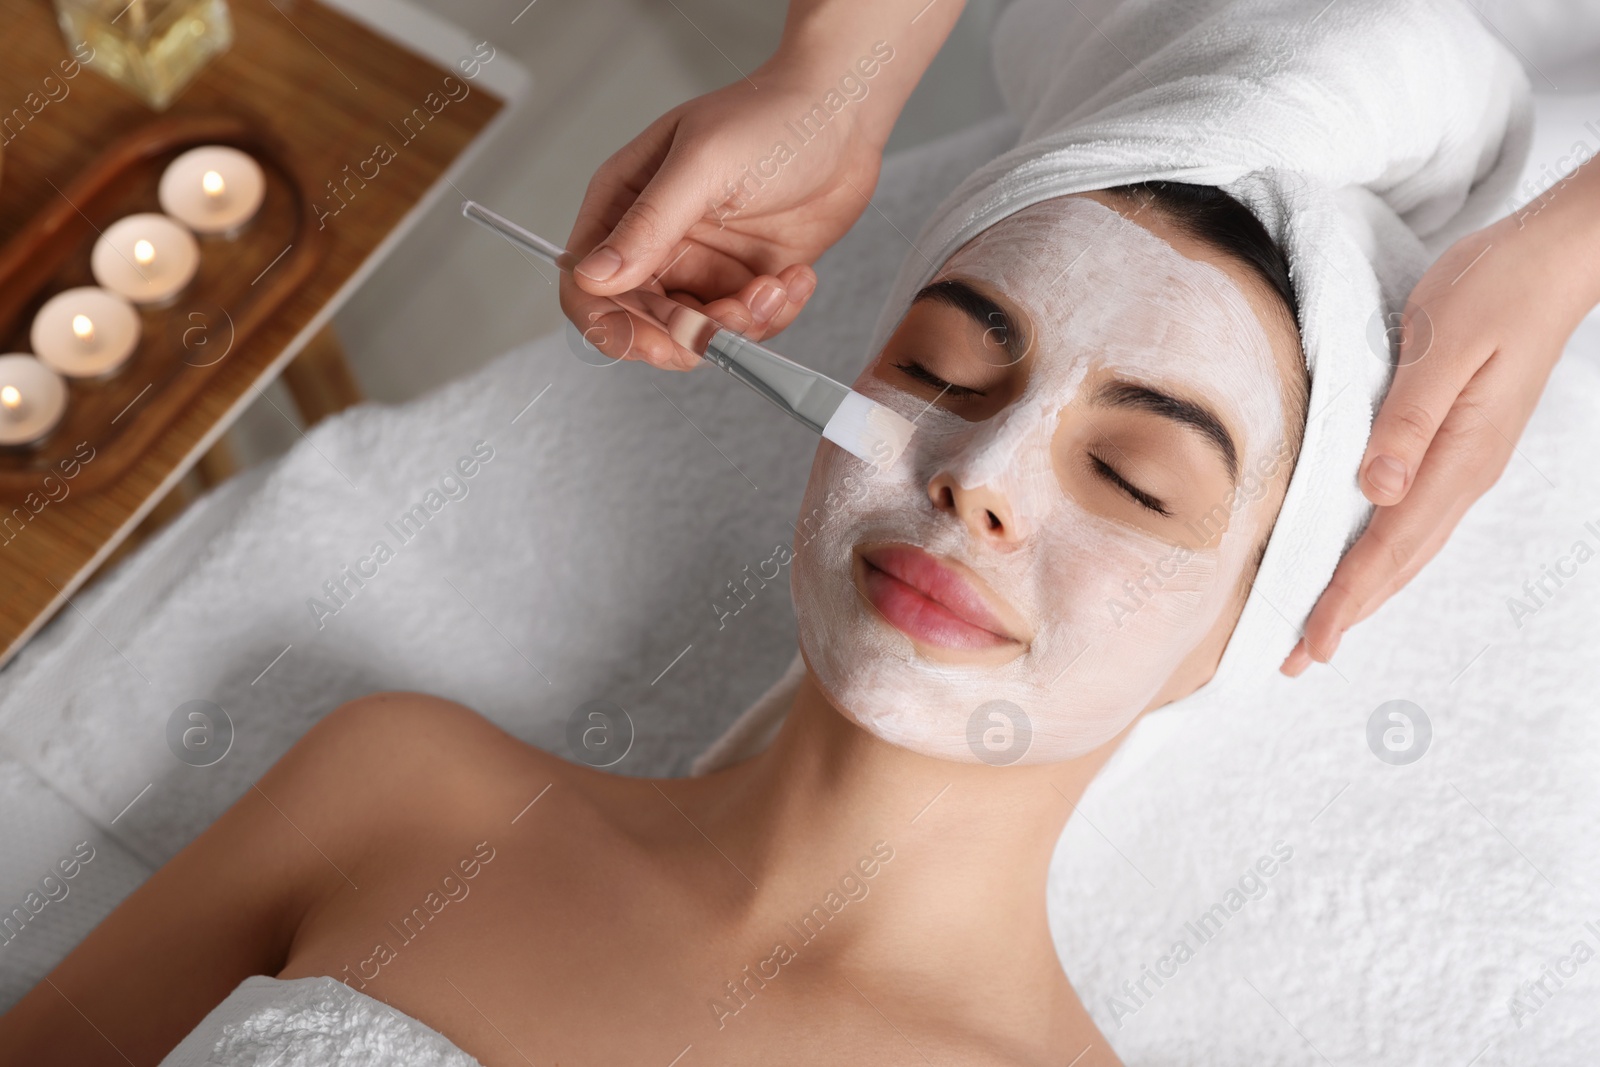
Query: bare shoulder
410	760
397	720
380	782
403	728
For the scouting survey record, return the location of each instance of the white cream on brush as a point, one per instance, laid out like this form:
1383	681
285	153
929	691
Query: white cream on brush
1103	293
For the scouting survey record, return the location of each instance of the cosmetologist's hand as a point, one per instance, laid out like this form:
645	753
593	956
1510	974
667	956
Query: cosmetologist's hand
725	201
1479	336
663	208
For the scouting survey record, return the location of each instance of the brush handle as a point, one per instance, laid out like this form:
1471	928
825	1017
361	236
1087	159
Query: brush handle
560	258
805	395
808	397
548	251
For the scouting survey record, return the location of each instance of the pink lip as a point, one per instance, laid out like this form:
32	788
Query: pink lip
930	601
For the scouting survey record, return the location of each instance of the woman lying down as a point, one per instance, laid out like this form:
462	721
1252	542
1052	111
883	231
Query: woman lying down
1113	471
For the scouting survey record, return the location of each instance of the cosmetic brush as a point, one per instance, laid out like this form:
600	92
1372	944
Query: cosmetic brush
860	426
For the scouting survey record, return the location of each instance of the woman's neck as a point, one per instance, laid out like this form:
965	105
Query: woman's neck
963	897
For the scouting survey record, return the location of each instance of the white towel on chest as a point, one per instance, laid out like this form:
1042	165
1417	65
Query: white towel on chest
310	1022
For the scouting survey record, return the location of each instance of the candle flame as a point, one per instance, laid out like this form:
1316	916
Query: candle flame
143	251
212	183
83	326
10	396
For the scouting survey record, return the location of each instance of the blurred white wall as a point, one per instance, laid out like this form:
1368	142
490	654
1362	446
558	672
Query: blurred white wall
1557	40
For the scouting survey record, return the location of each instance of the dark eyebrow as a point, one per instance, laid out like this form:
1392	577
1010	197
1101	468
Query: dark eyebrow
1126	394
953	292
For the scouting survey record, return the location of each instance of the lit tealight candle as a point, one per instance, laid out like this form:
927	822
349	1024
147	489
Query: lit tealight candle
85	332
212	189
32	399
147	258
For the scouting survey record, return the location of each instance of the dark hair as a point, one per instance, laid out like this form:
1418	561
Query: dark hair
1211	215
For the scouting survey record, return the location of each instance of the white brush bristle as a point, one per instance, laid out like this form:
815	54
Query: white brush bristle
869	430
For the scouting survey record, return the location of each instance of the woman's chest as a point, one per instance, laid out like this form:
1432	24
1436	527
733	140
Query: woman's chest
573	955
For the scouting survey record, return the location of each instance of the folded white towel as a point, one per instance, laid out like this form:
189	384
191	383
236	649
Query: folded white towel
310	1022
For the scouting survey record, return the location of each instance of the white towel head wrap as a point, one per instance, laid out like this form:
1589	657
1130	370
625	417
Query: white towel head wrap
1365	135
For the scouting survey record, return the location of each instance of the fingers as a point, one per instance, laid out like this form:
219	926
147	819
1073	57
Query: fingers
1431	373
1466	458
1386	557
612	329
763	307
768	303
1298	659
617	184
799	283
617	333
651	217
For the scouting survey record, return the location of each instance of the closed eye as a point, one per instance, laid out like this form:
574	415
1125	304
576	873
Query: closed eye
1109	473
918	372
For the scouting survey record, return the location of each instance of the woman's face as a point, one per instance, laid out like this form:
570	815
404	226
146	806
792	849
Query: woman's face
1100	449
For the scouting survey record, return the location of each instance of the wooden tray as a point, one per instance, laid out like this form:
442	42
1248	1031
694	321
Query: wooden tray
240	280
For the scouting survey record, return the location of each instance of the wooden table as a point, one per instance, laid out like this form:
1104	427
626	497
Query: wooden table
324	84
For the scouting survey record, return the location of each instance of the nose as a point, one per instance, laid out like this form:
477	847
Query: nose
987	514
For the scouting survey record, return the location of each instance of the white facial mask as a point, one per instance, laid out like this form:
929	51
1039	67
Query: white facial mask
1113	608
